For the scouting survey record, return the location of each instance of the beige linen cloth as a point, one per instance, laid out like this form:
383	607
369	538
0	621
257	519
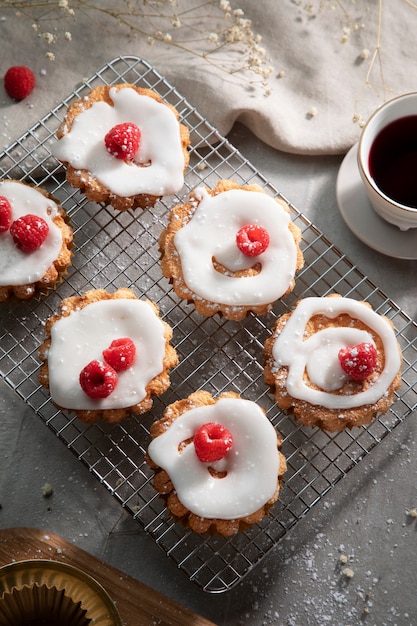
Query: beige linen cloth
333	62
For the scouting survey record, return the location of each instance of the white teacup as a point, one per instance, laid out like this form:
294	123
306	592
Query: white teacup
387	160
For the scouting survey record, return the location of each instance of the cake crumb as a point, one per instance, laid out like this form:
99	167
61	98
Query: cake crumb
348	572
47	490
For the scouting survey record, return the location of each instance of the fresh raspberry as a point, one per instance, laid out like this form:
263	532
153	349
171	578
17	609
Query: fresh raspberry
122	141
98	379
19	81
121	354
29	232
212	442
5	214
252	240
358	362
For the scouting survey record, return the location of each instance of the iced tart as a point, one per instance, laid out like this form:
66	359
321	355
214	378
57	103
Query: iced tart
35	240
106	355
334	362
217	462
123	145
231	250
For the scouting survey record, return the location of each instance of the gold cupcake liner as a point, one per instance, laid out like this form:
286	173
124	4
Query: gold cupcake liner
47	593
40	605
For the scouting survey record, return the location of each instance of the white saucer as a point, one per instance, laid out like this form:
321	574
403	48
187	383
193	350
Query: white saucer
362	220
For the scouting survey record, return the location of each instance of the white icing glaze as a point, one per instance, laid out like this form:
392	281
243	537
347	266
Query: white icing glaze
252	464
319	353
83	335
211	233
17	267
157	168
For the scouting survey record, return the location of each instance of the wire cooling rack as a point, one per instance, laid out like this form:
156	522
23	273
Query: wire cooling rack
120	249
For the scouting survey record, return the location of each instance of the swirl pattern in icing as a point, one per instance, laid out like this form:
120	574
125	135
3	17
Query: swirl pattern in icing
210	235
318	354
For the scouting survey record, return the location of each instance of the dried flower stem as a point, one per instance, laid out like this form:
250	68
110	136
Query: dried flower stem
376	56
211	30
375	62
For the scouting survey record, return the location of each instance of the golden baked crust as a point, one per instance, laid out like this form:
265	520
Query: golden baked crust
58	267
332	420
158	385
171	263
165	488
82	179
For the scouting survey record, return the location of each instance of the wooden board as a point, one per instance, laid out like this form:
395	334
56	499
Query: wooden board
138	604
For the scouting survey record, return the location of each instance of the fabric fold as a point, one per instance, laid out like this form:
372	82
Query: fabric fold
332	64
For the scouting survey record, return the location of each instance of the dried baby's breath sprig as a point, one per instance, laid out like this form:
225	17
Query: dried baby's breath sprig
312	112
348	24
212	30
374	77
369	59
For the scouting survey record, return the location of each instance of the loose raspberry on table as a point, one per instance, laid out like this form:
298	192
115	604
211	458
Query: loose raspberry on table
121	354
29	232
5	214
19	82
122	141
212	442
98	379
359	361
252	239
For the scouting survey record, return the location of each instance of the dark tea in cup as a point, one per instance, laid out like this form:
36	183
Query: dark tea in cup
387	160
393	160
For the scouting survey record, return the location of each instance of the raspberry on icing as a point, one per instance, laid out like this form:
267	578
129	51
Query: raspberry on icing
358	362
252	239
98	379
19	82
122	141
29	232
212	442
121	354
5	214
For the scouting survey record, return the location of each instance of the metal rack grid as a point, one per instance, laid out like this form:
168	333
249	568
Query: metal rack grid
113	250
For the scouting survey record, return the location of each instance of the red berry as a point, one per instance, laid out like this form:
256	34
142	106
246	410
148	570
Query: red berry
19	82
121	354
5	214
98	379
212	442
122	141
358	362
252	240
29	232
